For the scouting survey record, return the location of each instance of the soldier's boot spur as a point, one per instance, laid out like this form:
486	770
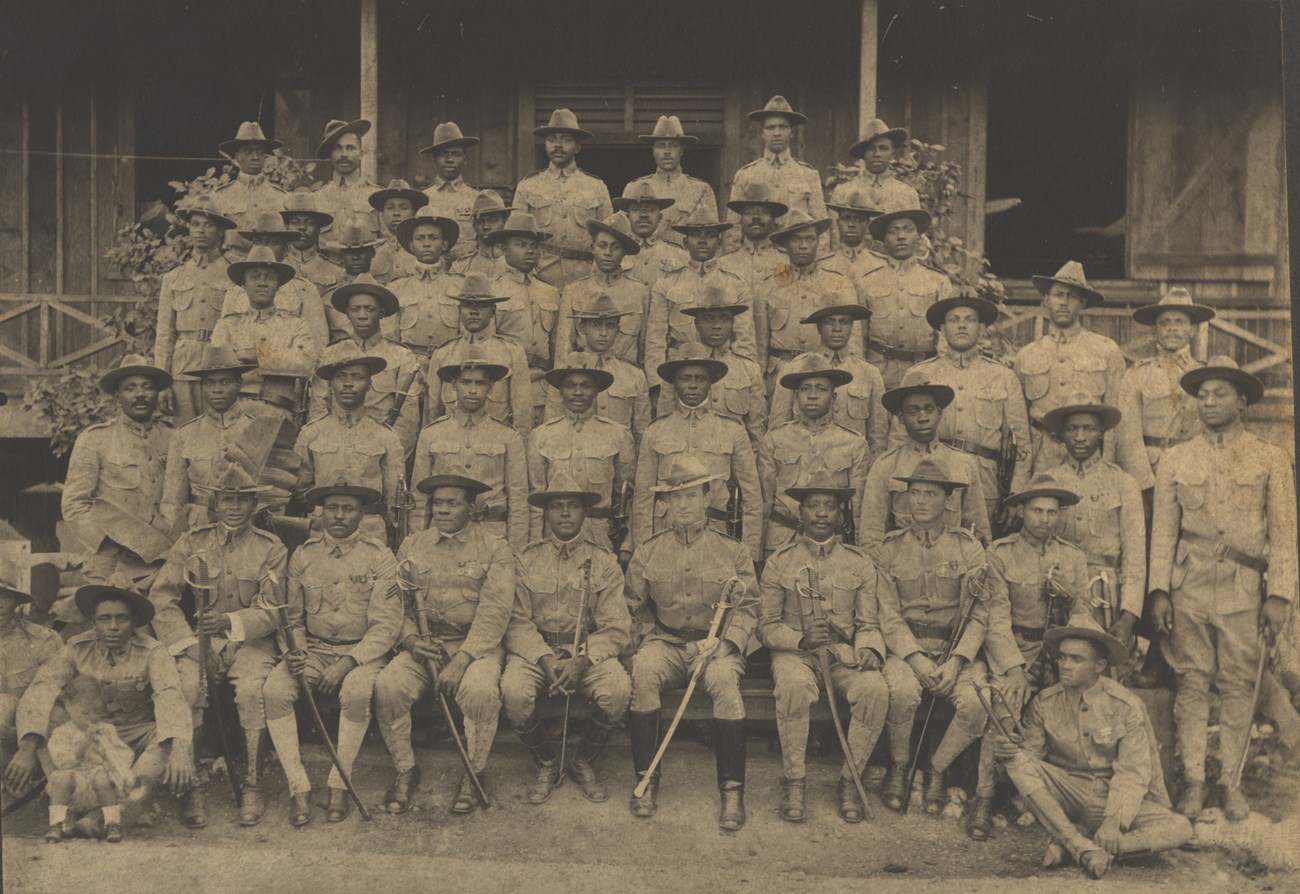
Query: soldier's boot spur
299	809
252	803
1235	806
534	737
338	806
729	749
894	787
851	810
398	797
466	798
936	792
194	810
1193	799
792	800
643	733
582	769
980	820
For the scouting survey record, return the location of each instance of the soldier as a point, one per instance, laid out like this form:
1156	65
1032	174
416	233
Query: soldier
755	258
675	582
813	446
668	143
342	591
303	216
925	593
742	393
645	210
189	304
718	442
611	241
987	404
1067	359
24	647
238	558
899	294
797	288
1223	566
468	441
346	195
467	579
396	203
394	396
854	257
562	198
567	590
1038	581
295	296
487	216
142	694
249	192
580	443
846	579
114	490
198	448
884	498
879	147
531	307
511	398
1107	780
449	195
356	254
857	405
791	181
428	294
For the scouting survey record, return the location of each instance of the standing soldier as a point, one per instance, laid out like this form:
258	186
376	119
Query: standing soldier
567	590
717	442
987	406
249	193
563	198
899	294
303	216
843	576
755	258
811	447
239	558
356	253
24	647
346	195
342	592
466	577
487	216
428	293
295	296
792	182
114	490
668	142
854	257
611	241
531	307
1067	359
189	305
449	195
675	582
1223	568
468	441
395	203
879	147
644	210
742	393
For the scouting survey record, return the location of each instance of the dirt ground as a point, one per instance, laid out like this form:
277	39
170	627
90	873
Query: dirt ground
597	847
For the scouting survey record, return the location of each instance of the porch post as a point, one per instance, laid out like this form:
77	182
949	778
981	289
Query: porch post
867	63
370	87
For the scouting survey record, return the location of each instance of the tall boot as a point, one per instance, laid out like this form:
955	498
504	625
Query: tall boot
729	746
582	768
643	730
252	804
533	736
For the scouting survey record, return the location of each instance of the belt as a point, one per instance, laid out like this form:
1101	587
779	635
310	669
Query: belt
446	631
1221	550
690	636
1030	634
973	449
332	642
600	512
783	353
493	514
898	353
559	639
1162	443
780	518
929	631
422	350
1111	562
194	334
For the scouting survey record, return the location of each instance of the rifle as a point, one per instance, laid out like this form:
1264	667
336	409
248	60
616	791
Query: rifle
578	630
416	592
200	584
403	503
715	628
735	510
816	598
621	515
1006	466
293	646
849	527
400	396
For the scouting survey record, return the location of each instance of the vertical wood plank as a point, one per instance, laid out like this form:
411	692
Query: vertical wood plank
95	251
12	212
524	138
58	193
370	86
867	62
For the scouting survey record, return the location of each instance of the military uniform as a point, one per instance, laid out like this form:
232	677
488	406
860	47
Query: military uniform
785	298
854	262
753	262
631	296
511	398
1157	413
597	453
403	373
312	266
740	395
528	315
24	648
790	455
430	312
349	445
688	194
243	198
883	192
392	262
788	180
296	298
189	305
884	499
485	260
194	460
348	201
656	258
695	284
454	200
857	404
270	338
898	293
562	200
626	401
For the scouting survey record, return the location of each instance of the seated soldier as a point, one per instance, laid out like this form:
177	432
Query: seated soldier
1087	761
24	647
567	590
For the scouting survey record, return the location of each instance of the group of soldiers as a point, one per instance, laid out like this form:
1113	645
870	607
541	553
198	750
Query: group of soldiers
431	443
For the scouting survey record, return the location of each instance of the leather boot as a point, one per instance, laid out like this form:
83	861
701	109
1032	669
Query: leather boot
300	809
894	787
792	800
582	768
1235	806
252	804
851	809
643	730
397	799
338	806
1193	799
980	821
936	792
194	811
466	797
534	737
729	748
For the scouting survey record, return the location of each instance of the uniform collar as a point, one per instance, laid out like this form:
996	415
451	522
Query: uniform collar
341	547
819	549
228	418
491	252
296	257
778	159
606	279
139	429
723	353
349	418
427	272
668	176
852	251
566	548
703	267
227	535
1083	468
1226	437
461	536
834	358
928	535
962	359
252	180
518	275
816	425
469	420
203	259
918	447
114	656
447	185
762	246
1038	546
1061	336
263	313
880	179
1093	692
789	270
698	412
648	242
375	341
688	534
1182	357
559	173
902	264
578	420
344	181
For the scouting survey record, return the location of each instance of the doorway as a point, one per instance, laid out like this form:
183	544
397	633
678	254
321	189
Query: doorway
618	164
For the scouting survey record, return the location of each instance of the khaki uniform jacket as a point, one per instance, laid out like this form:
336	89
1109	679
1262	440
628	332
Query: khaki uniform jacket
884	192
403	374
792	182
884	500
349	202
312	266
1158	413
349	446
790	455
657	257
687	193
189	305
562	201
741	394
629	295
296	298
345	593
753	262
454	200
626	401
510	400
1018	571
243	198
391	262
23	649
196	456
667	328
120	463
857	405
429	314
270	338
596	452
528	316
898	293
785	298
854	262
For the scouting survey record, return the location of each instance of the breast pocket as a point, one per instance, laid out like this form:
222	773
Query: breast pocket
247	586
489	456
313	596
449	315
736	400
182	296
1248	483
919	300
1190	486
843	595
857	401
789	463
1103	514
1091	370
778	316
408	319
544	212
120	474
599	469
630	325
988	406
1036	373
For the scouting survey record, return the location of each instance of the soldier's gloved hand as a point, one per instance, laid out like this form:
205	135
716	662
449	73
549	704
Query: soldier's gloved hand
178	773
818	635
927	673
213	623
1162	611
869	660
449	679
297	662
1123	628
1108	835
1272	617
332	678
25	767
947	680
167	403
1015	688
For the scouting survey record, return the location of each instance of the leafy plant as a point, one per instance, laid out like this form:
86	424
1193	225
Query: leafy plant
68	404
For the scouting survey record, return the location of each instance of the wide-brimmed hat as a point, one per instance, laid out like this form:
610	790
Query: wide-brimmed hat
450	229
1083	627
472	486
352	238
398	189
777	105
686	470
1223	367
580	362
874	130
259	256
880	223
1070	274
1044	484
1081	402
486	202
218	359
714	298
641	191
853	311
90	596
927	471
936	313
335	129
702	217
599	306
365	284
618	226
797	220
1178	299
475	287
855	203
301	201
233	480
9	581
562	485
668	127
472	357
692	353
892	400
249	132
563	121
267	225
813	366
821	482
519	223
446	135
205	207
134	365
758	194
351	355
367	495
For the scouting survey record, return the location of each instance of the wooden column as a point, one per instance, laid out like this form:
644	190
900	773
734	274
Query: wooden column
867	63
370	87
